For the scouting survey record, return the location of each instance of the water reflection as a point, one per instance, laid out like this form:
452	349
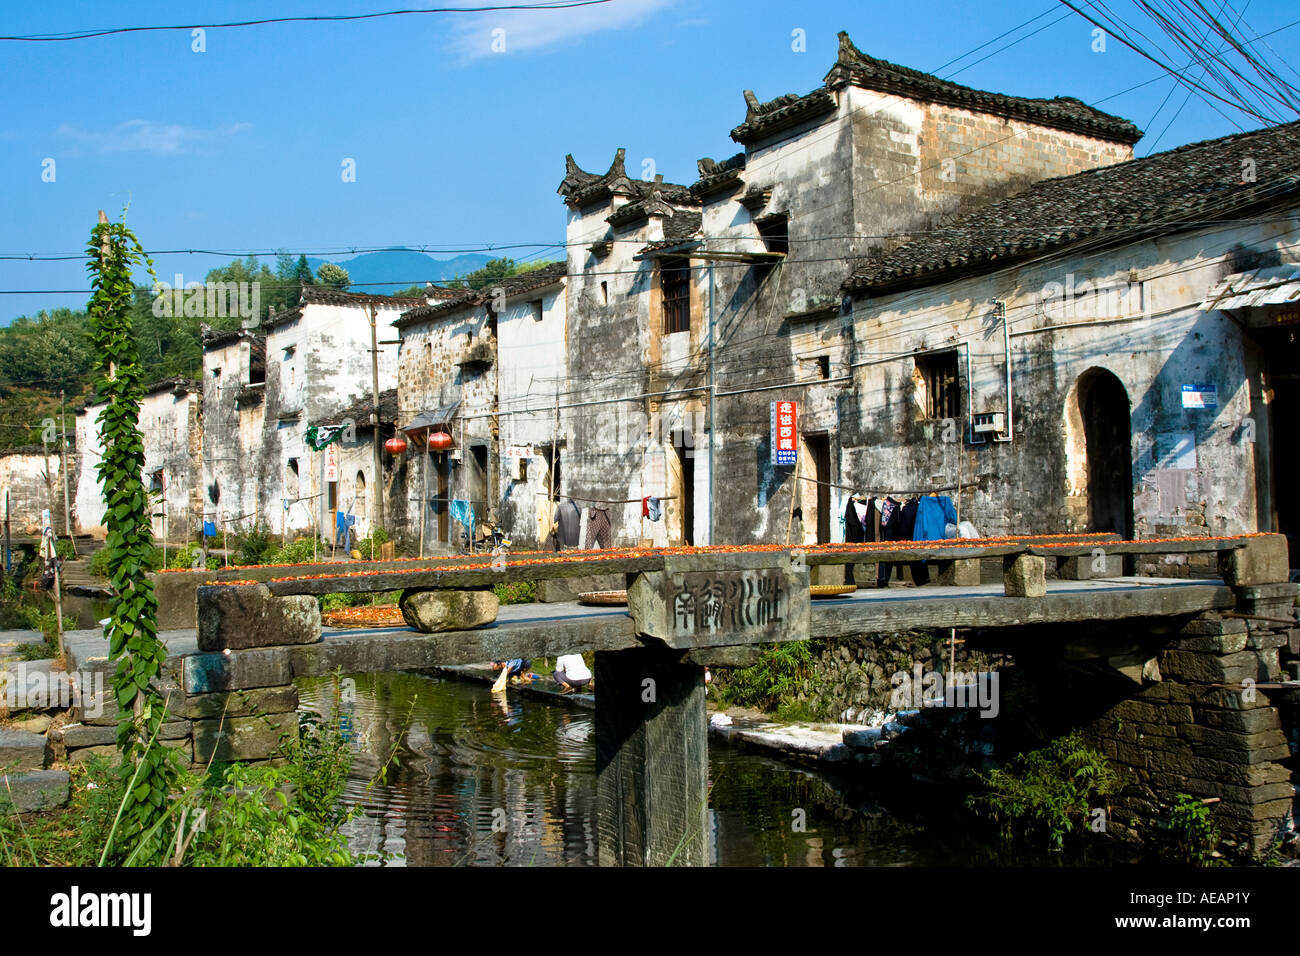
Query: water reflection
508	780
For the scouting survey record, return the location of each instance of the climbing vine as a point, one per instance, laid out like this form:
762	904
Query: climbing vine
148	768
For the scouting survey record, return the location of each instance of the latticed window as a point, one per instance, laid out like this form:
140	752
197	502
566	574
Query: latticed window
940	385
675	290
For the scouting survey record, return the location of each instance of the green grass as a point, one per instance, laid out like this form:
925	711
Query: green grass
516	592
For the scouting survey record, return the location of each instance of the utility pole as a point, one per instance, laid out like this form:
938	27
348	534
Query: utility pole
63	465
374	420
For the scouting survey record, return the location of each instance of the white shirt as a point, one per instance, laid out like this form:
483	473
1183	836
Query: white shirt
573	667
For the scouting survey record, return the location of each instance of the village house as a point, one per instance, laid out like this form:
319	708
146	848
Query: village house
1117	349
234	392
481	367
171	423
691	309
307	368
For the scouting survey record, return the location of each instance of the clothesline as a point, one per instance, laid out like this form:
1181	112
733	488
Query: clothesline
923	491
608	501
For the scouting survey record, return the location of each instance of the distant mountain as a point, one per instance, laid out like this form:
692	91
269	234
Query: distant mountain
394	269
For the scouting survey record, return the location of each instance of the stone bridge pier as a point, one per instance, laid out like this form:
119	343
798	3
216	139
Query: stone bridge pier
1190	705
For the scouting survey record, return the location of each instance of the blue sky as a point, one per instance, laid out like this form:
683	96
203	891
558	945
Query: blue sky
456	146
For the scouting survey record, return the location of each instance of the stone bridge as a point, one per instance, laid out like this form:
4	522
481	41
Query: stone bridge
1200	657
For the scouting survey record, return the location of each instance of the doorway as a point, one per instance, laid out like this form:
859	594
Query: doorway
686	468
1107	435
1277	455
819	457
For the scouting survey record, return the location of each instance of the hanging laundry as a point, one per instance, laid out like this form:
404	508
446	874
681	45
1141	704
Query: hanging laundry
569	517
209	529
343	527
853	524
462	511
933	513
651	508
598	528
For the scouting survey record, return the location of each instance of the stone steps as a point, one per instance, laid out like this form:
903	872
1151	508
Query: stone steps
21	750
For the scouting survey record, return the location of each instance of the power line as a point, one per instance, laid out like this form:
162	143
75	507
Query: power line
334	18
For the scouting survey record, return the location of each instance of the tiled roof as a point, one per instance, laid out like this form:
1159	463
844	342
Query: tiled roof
323	295
359	411
216	338
177	385
682	227
581	188
764	119
652	205
514	285
854	67
715	176
1168	192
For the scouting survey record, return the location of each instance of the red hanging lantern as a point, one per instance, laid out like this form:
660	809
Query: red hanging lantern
395	445
440	441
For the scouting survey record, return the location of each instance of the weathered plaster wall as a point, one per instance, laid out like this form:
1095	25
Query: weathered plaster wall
233	411
318	363
22	476
1138	317
171	425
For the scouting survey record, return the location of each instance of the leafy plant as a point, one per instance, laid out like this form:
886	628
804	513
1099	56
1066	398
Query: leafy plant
100	561
187	557
516	592
252	546
1046	793
64	550
369	546
148	768
775	682
301	551
1195	835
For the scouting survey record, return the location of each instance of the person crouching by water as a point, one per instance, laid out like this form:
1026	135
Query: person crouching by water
515	671
571	673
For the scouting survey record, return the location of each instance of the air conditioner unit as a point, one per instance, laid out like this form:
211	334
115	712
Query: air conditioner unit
990	423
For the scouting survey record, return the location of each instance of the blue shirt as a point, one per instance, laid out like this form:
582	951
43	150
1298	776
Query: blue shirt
932	513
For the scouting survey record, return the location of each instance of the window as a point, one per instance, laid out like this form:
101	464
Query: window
359	500
775	233
604	293
157	484
938	385
675	291
824	366
216	373
537	310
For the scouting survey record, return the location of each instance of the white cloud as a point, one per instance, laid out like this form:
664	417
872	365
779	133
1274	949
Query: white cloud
536	30
146	136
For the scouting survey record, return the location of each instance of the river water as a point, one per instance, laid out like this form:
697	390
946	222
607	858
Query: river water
509	780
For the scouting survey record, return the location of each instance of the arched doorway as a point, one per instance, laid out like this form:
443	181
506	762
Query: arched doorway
1102	409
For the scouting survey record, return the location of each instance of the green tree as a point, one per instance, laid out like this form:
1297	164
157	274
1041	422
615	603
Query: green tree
50	351
303	273
335	277
148	769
